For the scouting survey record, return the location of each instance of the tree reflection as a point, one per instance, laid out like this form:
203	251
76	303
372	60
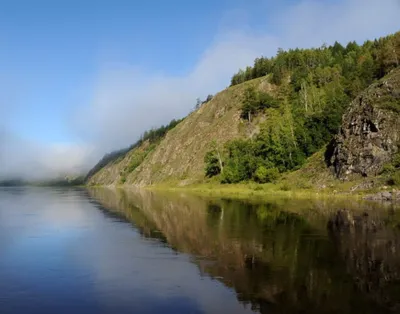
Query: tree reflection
277	255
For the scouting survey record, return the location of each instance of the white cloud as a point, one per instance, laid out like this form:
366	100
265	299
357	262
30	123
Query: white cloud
126	102
314	22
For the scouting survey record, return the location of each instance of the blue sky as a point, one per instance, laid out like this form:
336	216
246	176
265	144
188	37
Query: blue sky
80	76
54	49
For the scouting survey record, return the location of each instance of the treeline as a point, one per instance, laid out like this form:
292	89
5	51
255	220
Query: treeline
313	89
152	136
60	182
155	134
12	182
363	63
200	102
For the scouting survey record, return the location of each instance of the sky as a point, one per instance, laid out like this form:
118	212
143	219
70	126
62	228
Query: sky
82	78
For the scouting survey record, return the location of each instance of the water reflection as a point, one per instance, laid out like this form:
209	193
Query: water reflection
59	254
370	248
279	256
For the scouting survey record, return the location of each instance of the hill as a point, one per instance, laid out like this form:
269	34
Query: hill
179	156
273	117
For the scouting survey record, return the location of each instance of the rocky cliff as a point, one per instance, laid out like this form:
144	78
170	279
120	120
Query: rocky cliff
370	132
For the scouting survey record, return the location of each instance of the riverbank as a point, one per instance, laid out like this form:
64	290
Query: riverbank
254	190
290	186
361	190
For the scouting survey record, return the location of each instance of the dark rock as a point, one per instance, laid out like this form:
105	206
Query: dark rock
370	132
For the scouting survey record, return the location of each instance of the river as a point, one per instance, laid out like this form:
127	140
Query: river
68	250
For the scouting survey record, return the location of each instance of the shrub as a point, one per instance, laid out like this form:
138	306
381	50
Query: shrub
267	101
212	164
256	101
395	179
285	187
230	175
123	179
388	169
396	160
264	175
258	188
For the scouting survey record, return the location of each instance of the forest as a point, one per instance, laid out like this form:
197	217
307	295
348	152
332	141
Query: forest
314	88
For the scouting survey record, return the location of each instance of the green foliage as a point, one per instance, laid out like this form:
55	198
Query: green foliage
316	87
240	162
138	156
360	65
395	178
267	101
256	101
391	103
272	151
154	135
211	160
264	175
396	160
388	169
392	170
285	187
200	102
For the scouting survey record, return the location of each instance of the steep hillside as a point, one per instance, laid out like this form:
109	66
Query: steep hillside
274	117
366	151
179	157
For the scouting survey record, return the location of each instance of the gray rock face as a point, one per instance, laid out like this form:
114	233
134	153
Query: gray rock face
370	132
384	196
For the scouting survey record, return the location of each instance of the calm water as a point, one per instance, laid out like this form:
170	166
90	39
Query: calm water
105	251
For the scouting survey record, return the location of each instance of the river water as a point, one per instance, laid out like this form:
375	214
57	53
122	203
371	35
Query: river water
68	250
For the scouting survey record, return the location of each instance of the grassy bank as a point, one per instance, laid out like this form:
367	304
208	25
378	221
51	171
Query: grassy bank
254	190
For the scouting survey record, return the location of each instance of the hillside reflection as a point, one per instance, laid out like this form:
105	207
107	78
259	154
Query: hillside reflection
279	255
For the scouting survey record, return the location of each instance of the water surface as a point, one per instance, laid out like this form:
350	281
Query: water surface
107	251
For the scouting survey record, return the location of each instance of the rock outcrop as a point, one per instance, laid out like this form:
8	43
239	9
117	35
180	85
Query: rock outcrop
370	132
384	196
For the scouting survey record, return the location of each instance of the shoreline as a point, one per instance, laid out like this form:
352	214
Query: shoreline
252	190
259	191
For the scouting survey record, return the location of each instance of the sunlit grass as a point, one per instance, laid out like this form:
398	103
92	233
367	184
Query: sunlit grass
250	190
